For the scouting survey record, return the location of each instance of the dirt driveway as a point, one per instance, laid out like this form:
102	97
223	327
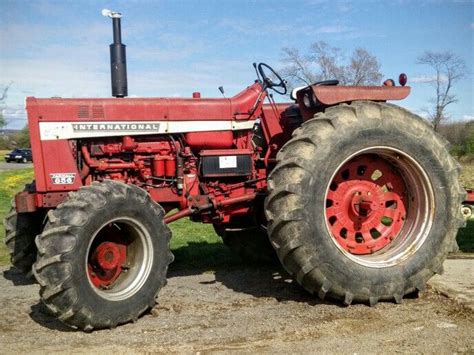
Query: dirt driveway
244	310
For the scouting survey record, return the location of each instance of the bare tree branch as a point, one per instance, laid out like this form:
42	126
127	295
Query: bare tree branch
2	99
324	62
449	68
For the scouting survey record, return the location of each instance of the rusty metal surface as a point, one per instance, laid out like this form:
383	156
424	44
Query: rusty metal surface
25	202
331	95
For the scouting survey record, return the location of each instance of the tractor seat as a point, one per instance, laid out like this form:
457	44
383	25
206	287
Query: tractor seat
317	83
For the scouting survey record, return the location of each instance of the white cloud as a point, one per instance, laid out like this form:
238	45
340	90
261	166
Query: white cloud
249	28
423	79
468	118
15	116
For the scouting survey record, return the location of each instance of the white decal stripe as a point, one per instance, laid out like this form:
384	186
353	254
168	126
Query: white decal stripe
88	129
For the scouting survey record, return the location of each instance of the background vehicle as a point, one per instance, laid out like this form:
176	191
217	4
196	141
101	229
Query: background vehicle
359	199
19	155
468	205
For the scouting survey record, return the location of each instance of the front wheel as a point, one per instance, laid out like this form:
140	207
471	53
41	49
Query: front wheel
103	256
364	203
20	232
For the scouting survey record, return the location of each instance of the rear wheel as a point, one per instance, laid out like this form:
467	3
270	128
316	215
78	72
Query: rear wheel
364	203
103	256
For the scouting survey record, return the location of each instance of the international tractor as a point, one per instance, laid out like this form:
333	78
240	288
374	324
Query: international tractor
357	198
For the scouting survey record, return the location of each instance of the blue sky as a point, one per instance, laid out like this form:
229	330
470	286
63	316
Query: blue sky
60	48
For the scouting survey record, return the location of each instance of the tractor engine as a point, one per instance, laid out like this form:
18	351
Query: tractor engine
176	170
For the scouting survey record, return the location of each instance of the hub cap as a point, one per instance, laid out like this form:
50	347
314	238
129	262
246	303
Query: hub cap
119	259
379	207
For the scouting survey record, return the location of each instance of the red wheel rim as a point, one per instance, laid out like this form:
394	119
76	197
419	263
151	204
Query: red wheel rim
106	263
366	204
119	258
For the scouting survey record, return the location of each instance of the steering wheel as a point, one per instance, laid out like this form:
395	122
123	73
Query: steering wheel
269	82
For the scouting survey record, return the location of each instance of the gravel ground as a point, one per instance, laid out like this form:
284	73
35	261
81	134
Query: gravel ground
14	166
249	310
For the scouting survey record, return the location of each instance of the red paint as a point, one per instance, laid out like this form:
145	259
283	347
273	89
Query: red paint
25	202
207	140
142	109
106	262
469	196
332	95
158	166
366	213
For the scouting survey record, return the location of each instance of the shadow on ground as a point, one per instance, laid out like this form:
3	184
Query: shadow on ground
18	277
41	315
258	280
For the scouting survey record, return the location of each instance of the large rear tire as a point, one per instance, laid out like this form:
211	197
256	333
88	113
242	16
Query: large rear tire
103	256
364	203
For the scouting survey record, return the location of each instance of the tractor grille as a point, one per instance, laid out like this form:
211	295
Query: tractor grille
84	111
97	111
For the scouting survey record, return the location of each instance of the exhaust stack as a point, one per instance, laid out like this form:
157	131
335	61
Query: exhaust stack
118	60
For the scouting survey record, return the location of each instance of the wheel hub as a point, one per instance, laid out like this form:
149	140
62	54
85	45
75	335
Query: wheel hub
106	263
365	205
363	202
107	256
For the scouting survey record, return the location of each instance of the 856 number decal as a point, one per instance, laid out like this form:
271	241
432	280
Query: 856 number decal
63	178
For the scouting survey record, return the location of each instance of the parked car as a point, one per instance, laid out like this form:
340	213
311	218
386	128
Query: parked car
19	156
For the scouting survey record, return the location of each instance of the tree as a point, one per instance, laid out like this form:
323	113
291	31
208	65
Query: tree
324	62
448	68
22	138
3	96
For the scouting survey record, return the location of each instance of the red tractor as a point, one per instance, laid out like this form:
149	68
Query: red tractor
359	198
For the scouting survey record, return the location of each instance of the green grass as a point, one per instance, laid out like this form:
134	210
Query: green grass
467	172
195	245
10	182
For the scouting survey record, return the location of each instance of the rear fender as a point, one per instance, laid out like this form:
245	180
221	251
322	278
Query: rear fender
320	97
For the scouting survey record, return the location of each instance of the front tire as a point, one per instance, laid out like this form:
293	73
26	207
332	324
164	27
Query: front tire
364	203
103	256
20	232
